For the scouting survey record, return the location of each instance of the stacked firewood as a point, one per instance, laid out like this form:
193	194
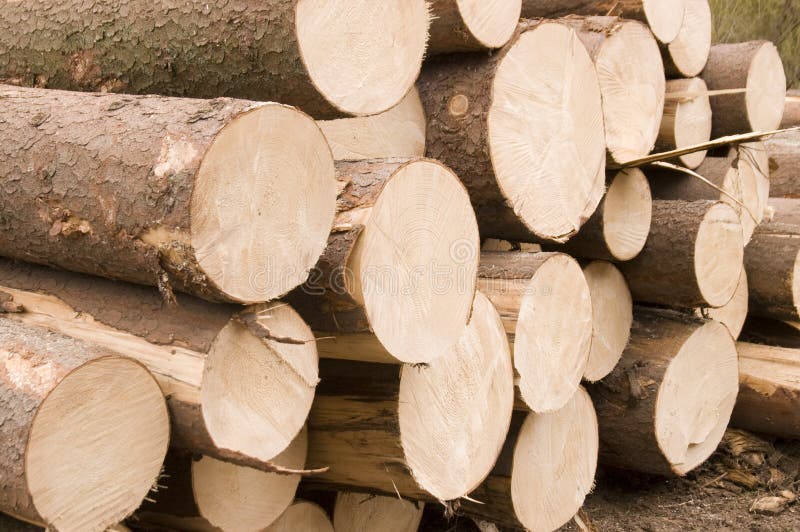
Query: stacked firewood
403	254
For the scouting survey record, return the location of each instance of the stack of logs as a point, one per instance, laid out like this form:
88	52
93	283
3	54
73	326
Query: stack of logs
359	273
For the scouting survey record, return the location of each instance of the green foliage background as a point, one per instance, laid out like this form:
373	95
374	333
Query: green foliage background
774	20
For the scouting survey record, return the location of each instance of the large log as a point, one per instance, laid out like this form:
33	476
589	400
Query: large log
784	160
546	470
772	261
687	54
753	72
733	313
664	409
769	390
527	142
631	77
544	301
84	430
337	58
401	262
471	25
686	120
426	432
227	200
693	255
664	17
359	512
239	382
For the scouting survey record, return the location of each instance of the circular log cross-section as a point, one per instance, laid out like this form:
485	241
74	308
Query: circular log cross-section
228	200
523	129
687	119
545	304
85	431
359	512
303	516
471	25
687	54
733	313
754	72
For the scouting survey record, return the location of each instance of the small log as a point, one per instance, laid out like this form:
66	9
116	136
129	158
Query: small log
664	409
686	121
84	430
769	390
693	255
398	132
664	17
546	307
791	109
174	193
546	470
612	316
425	432
753	71
302	515
687	54
618	229
631	77
401	262
333	59
501	127
784	160
733	313
196	351
471	25
358	512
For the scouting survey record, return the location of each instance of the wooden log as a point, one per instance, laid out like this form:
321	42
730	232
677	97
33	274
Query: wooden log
618	229
784	160
693	255
791	109
302	515
502	127
398	132
664	409
174	193
772	261
239	382
631	77
546	470
544	301
687	54
733	313
471	25
84	430
769	390
686	120
341	58
359	512
753	72
664	17
426	432
612	316
401	263
771	332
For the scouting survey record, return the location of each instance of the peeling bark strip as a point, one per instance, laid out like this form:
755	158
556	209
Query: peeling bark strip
229	200
53	429
330	59
196	350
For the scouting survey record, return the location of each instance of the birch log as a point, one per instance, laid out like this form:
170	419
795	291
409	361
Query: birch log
471	25
687	54
359	512
686	120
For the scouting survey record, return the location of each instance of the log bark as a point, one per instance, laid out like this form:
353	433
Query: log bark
693	255
471	25
769	390
195	350
687	54
400	263
784	160
664	409
546	181
63	446
165	192
754	72
329	60
771	332
686	120
358	512
791	110
544	301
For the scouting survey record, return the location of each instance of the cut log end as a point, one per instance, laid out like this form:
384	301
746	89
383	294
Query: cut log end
255	238
455	413
665	18
303	516
627	213
107	420
689	51
421	225
696	397
612	314
555	459
733	313
719	253
752	186
766	89
687	119
491	23
259	381
357	512
356	79
548	152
